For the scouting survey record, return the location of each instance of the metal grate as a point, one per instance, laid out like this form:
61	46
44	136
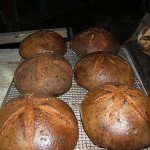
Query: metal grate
74	98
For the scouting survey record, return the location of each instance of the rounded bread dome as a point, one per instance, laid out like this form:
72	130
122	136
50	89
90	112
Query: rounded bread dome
117	117
99	68
44	74
94	39
42	41
33	123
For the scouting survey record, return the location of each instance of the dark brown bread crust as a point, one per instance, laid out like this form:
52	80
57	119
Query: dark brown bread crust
43	41
44	74
100	68
94	39
30	123
117	118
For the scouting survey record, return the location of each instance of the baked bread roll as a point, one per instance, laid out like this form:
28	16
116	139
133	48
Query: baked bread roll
42	41
44	74
94	39
30	123
143	40
100	68
117	118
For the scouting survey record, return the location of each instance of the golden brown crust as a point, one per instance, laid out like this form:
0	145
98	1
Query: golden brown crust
100	68
94	39
38	123
42	41
116	117
44	74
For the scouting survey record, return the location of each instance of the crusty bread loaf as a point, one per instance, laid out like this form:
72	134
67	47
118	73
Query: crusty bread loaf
100	68
31	123
94	39
143	40
117	118
44	74
42	41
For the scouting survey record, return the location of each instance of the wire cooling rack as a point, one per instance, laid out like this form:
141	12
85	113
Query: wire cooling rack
74	98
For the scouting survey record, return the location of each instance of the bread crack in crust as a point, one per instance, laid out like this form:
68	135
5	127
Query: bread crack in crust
38	123
115	117
100	68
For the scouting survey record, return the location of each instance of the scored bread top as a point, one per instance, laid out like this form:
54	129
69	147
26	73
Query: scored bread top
38	123
44	74
42	41
94	39
115	117
100	68
143	40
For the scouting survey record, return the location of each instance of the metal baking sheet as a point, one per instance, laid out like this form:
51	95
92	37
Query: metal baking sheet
141	61
74	98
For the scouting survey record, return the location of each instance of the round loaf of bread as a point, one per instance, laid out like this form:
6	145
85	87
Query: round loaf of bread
94	39
42	41
117	118
100	68
143	40
31	123
44	74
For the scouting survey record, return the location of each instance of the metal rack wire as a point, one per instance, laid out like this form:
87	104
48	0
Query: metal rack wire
74	98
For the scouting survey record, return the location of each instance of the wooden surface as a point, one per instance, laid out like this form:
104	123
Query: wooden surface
9	60
15	37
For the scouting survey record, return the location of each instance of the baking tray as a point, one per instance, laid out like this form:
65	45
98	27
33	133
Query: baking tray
74	98
142	63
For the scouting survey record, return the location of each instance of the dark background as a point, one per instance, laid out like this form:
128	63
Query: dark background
121	17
